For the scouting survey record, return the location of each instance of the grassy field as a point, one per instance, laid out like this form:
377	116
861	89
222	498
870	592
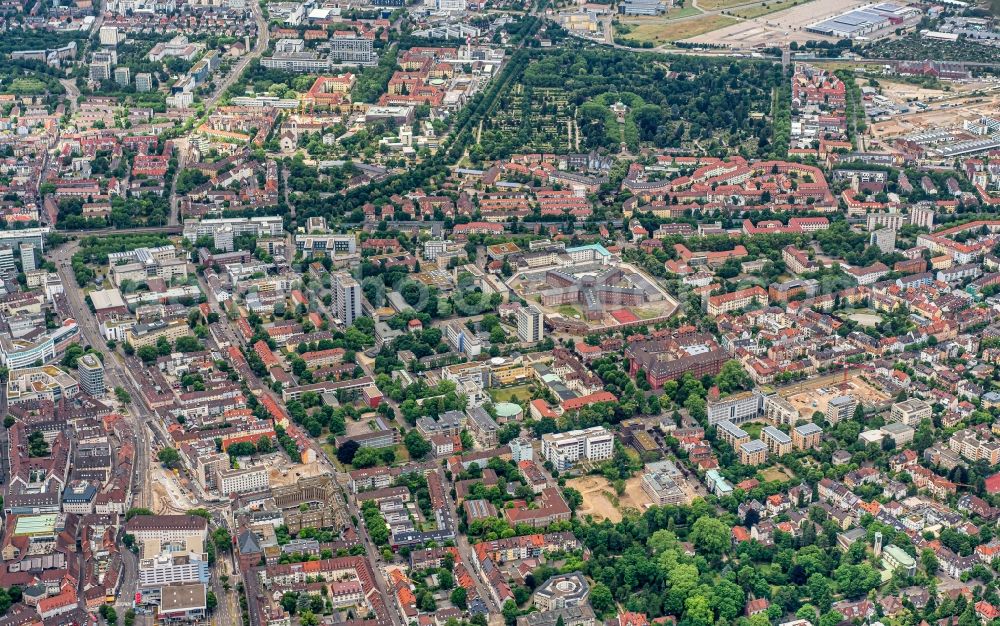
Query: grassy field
778	472
569	310
659	31
675	13
719	5
511	394
27	86
699	26
758	9
646	28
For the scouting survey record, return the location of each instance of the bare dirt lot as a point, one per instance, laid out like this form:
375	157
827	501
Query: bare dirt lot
812	399
291	473
364	425
599	497
167	495
904	92
777	28
778	472
938	116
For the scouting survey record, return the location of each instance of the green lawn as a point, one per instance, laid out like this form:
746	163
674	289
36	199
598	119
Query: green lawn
645	314
569	310
758	9
511	394
777	473
666	29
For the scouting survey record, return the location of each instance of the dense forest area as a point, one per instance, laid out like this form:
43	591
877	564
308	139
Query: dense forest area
672	102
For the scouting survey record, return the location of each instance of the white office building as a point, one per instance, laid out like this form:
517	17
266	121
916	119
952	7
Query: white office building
91	372
884	239
530	324
224	230
463	340
326	245
736	408
841	408
910	412
566	449
346	298
172	568
248	480
29	262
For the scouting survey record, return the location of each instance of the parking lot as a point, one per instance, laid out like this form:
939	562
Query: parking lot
780	28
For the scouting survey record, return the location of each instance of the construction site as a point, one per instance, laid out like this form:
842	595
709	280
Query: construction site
950	113
813	395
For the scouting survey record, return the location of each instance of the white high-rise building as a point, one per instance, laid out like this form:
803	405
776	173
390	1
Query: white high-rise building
7	259
143	82
884	239
530	324
346	298
91	372
566	449
28	261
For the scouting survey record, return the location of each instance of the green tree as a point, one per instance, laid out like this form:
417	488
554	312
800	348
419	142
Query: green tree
855	581
728	599
459	597
573	498
733	378
445	580
169	457
509	612
698	611
930	562
710	536
37	446
695	406
426	602
188	344
148	354
265	445
601	599
366	457
347	451
123	396
819	591
222	539
416	445
832	619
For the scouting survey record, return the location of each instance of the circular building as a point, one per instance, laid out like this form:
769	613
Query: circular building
562	591
508	412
